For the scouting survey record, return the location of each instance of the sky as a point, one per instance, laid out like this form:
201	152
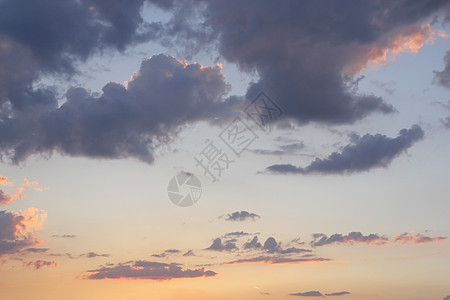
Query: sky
224	149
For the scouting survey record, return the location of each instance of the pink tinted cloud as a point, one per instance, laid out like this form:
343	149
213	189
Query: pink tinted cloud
38	264
18	229
418	238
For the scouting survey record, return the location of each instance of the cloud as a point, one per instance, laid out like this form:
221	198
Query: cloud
72	30
242	216
446	298
69	236
273	260
365	153
338	294
4	181
319	294
321	239
147	270
189	253
419	238
93	255
217	245
306	59
443	77
6	198
17	229
253	244
124	121
36	250
287	149
40	264
308	294
236	234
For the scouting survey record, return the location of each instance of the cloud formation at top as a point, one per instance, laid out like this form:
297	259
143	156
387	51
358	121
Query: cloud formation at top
123	121
305	61
304	58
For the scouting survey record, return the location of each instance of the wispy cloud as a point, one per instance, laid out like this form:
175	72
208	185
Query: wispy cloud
321	239
38	264
418	238
242	216
365	153
274	260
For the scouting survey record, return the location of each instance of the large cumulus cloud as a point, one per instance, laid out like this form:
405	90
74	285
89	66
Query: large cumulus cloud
124	121
306	51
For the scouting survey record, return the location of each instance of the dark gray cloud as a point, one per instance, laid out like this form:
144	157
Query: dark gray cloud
304	57
253	244
443	77
242	216
217	245
320	239
365	153
147	270
57	33
121	122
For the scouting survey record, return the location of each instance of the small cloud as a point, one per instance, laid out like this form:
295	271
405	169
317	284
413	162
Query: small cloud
319	294
39	264
308	294
242	216
36	250
253	244
172	251
338	294
217	245
64	236
189	253
407	238
236	234
93	255
321	239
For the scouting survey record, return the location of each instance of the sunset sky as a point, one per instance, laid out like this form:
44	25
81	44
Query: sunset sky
319	132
